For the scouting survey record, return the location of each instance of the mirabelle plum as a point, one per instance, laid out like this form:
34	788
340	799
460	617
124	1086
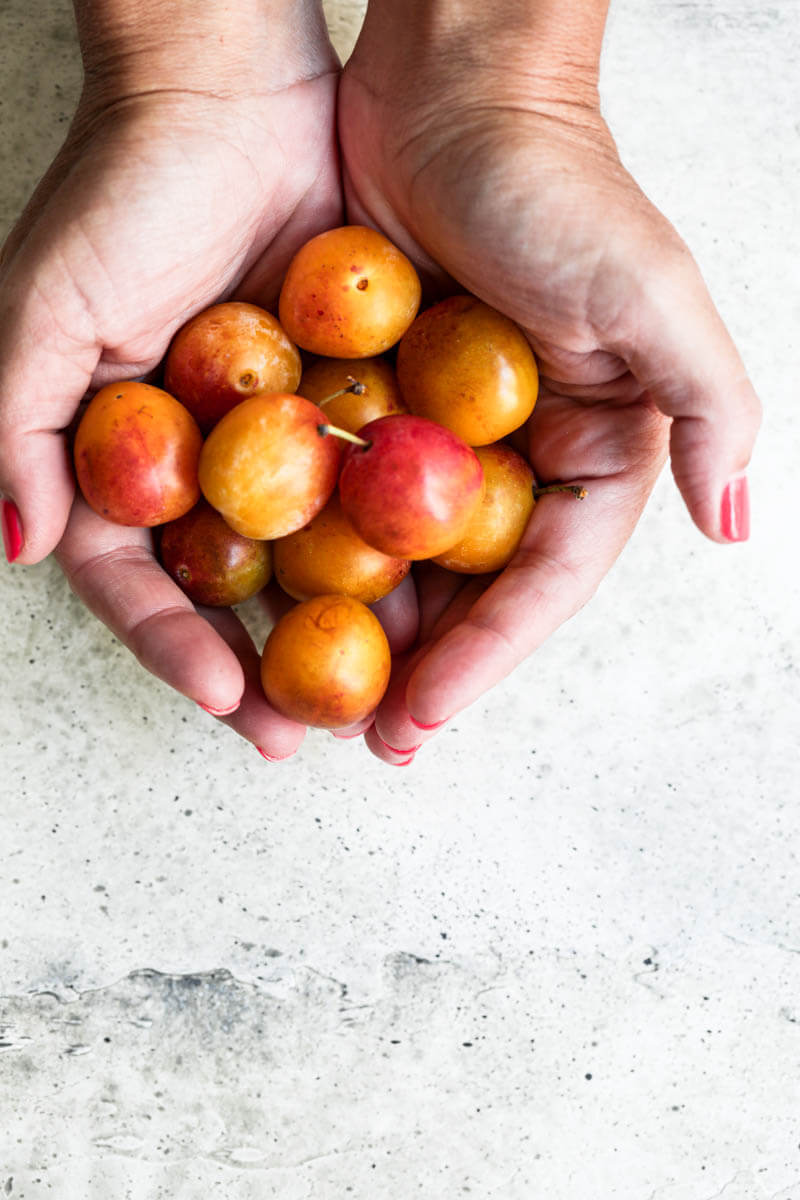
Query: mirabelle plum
349	293
266	468
496	529
326	662
469	367
212	563
136	455
225	354
412	489
377	396
327	555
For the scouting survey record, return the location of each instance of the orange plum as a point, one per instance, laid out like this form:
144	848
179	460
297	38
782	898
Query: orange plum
378	394
212	563
225	354
326	663
349	293
136	455
266	467
412	489
327	555
469	367
496	529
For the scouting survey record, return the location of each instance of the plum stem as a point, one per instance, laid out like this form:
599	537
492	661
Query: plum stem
324	430
576	489
354	387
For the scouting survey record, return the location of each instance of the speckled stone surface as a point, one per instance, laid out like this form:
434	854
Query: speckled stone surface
557	957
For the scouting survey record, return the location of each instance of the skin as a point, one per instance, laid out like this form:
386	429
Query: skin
179	183
471	135
475	141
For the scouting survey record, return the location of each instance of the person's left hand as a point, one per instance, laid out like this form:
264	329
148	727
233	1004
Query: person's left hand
163	200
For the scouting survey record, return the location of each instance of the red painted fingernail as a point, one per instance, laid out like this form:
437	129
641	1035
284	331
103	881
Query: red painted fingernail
735	511
272	757
405	764
412	750
12	530
427	728
219	712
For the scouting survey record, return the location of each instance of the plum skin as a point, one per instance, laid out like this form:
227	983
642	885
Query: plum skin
226	353
412	490
326	663
212	563
266	467
349	293
136	455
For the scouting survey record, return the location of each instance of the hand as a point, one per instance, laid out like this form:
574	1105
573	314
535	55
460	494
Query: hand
506	178
161	201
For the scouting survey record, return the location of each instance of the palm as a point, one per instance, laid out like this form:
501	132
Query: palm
506	205
168	204
151	212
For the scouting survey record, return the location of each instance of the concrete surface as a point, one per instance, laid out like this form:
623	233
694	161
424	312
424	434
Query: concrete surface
560	955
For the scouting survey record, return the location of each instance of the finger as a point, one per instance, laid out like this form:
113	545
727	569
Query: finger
436	588
679	350
44	372
567	549
346	732
396	735
113	570
392	714
274	736
385	753
398	613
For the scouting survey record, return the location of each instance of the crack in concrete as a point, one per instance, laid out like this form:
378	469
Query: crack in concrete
758	944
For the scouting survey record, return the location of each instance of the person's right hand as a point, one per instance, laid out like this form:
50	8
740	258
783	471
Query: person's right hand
161	201
472	137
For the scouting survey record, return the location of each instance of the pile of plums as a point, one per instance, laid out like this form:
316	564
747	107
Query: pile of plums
336	475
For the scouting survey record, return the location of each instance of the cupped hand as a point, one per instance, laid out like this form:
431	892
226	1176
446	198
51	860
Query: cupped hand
160	202
510	186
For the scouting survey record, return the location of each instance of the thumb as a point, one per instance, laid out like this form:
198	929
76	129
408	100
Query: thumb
48	354
682	354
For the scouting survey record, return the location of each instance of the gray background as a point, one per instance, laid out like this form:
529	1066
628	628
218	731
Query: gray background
560	955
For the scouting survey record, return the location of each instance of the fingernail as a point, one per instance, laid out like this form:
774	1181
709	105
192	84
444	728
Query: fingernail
427	728
219	712
272	757
412	750
406	763
345	737
735	511
12	530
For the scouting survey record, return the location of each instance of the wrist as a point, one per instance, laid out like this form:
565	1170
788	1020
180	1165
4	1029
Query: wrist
218	46
550	46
